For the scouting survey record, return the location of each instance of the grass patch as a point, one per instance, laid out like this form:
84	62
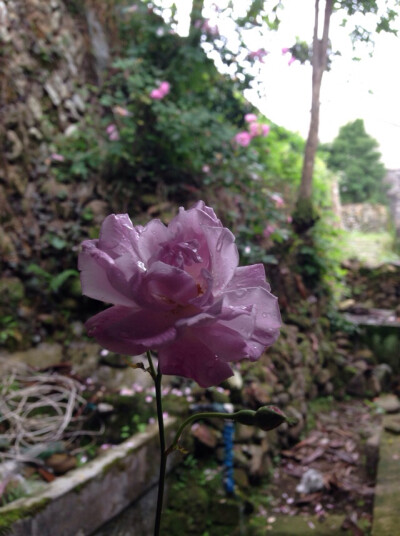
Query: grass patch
368	248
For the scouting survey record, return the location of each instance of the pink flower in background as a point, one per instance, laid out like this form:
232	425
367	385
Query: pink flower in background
178	289
250	118
258	129
269	229
277	199
243	138
254	129
160	92
156	94
205	169
258	54
112	132
165	88
265	130
57	157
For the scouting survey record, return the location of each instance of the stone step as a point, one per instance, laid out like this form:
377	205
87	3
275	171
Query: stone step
387	492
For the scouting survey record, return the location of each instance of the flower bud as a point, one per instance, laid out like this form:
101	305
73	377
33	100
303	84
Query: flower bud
269	417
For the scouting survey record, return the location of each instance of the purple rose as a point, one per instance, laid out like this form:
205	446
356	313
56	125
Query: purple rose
177	289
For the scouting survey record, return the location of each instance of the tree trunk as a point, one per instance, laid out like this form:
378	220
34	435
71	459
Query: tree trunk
304	216
196	21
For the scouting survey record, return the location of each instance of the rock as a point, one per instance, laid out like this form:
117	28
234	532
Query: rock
323	376
70	106
357	386
343	343
243	433
256	394
311	481
393	425
364	354
35	133
346	304
79	103
35	107
43	356
61	463
389	403
5	35
52	93
260	464
384	375
15	146
205	435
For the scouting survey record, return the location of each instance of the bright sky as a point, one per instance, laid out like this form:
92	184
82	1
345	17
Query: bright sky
369	89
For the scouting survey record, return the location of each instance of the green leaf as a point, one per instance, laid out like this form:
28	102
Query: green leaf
37	270
60	279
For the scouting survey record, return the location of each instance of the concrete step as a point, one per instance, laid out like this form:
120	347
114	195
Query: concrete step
386	517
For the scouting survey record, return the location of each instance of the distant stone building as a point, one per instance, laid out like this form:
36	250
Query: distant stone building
392	180
364	217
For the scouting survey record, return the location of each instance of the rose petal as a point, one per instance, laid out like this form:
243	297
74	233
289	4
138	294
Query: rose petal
131	331
227	344
169	285
225	256
118	236
96	267
264	308
151	236
248	276
191	358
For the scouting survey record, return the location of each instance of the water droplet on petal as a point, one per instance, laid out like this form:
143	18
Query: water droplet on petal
141	266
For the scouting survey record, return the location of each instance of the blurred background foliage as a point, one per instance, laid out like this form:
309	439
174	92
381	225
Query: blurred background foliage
146	156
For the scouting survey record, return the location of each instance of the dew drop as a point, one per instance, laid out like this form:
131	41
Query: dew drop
141	266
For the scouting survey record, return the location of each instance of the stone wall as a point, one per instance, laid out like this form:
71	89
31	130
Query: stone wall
50	51
364	217
392	180
45	64
377	288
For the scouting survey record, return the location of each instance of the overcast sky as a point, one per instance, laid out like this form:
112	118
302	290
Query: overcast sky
368	89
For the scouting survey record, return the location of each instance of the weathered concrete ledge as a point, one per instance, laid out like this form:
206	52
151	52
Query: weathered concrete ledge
86	498
387	491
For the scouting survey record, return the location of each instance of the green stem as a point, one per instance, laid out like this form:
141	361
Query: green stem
157	377
195	417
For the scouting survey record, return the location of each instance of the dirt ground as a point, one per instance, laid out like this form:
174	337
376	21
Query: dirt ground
336	448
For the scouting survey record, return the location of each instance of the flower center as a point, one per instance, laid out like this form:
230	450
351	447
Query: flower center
181	254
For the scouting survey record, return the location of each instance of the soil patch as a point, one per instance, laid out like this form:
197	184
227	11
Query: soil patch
334	454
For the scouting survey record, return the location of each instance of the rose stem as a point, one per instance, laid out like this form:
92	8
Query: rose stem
163	455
